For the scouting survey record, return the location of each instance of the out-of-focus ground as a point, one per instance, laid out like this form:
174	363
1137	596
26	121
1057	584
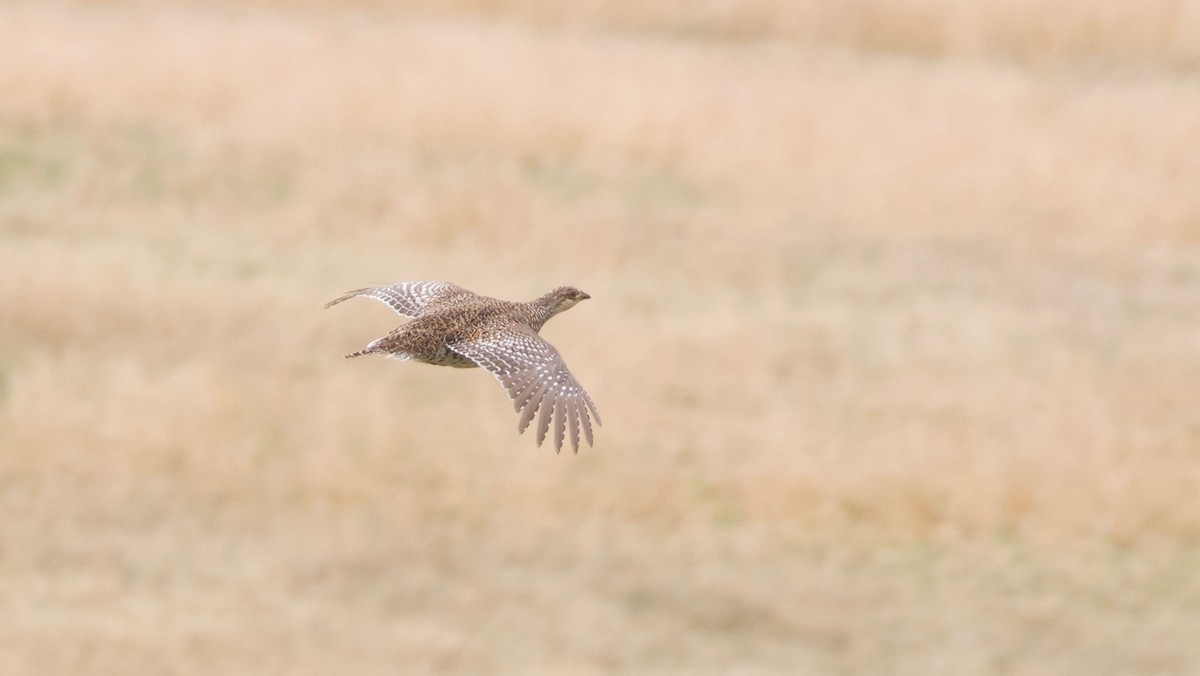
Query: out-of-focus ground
895	329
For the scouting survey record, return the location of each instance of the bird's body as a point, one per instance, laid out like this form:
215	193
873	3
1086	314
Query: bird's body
454	327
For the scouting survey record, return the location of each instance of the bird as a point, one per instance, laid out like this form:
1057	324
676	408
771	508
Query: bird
451	326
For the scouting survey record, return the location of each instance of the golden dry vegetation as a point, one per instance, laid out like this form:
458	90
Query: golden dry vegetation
895	329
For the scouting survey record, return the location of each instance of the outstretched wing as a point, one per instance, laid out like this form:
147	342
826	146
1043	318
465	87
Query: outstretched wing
406	298
535	376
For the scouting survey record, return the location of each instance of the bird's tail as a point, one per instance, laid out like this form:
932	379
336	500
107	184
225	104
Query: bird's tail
371	347
378	347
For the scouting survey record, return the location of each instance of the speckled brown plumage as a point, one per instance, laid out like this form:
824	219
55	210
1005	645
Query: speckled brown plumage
454	327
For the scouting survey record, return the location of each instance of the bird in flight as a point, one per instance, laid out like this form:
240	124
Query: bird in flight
454	327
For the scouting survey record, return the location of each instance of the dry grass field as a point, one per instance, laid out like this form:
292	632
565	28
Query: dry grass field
895	329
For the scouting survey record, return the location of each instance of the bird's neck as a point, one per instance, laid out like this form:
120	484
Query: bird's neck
541	309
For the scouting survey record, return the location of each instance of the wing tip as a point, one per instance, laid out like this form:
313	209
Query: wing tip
344	297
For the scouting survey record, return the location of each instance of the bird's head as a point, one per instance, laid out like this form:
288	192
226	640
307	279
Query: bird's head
565	297
554	302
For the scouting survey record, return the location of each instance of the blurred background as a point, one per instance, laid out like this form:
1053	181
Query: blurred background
895	330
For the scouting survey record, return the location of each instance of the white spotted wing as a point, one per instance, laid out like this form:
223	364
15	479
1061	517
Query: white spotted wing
406	298
536	378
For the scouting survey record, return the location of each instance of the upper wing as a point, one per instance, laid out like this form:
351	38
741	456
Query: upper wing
534	375
406	298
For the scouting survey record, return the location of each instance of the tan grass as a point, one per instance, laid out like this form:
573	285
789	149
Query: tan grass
898	357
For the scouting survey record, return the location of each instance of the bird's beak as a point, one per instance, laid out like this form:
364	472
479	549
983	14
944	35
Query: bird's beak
584	295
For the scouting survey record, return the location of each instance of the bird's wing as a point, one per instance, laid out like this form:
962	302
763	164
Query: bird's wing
406	298
535	376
